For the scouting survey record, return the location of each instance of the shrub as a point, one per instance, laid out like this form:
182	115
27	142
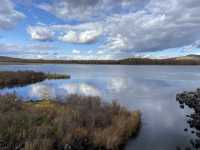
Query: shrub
77	122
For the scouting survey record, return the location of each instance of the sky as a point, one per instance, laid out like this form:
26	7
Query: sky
99	29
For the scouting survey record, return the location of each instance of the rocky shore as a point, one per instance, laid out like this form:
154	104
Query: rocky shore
192	100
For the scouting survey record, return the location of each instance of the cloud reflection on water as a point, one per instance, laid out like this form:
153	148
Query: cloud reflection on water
45	90
117	84
81	88
42	91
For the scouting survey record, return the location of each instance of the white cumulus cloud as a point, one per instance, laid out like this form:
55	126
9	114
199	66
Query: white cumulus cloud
81	37
40	33
75	51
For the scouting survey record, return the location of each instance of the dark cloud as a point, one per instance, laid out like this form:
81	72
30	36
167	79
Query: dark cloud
87	9
82	3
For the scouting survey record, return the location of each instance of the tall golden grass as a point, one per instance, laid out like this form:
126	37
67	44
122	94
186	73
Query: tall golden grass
77	123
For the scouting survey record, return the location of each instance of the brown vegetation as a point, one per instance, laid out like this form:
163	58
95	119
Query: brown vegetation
78	123
21	78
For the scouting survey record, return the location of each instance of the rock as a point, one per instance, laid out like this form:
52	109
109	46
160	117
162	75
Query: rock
198	92
192	100
189	122
178	148
197	143
67	147
192	143
187	148
198	134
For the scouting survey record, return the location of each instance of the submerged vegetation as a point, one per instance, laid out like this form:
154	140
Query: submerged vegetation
77	123
21	78
56	76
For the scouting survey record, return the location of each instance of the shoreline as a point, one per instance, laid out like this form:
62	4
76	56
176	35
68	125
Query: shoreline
39	63
182	60
79	122
21	78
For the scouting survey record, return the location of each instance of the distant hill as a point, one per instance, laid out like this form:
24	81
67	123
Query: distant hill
7	59
183	60
189	57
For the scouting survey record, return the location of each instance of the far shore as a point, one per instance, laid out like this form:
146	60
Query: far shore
185	60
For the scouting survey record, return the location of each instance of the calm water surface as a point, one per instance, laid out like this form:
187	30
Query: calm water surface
150	89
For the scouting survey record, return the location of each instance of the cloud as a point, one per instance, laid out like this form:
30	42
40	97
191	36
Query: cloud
27	50
90	52
40	33
26	47
86	26
161	25
100	52
42	91
125	27
82	88
116	43
87	9
89	36
157	25
118	84
85	33
76	51
8	15
46	51
85	57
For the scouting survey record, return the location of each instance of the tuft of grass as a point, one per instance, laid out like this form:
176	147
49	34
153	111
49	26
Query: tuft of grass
57	76
76	123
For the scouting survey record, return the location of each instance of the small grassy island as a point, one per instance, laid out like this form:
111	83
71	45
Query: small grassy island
21	78
77	123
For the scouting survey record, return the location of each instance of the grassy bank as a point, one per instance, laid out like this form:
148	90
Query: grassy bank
77	123
21	78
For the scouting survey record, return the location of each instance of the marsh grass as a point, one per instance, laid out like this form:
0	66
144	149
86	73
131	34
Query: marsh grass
77	123
56	76
21	78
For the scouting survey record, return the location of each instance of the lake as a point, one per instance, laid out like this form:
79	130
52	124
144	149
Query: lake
150	89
